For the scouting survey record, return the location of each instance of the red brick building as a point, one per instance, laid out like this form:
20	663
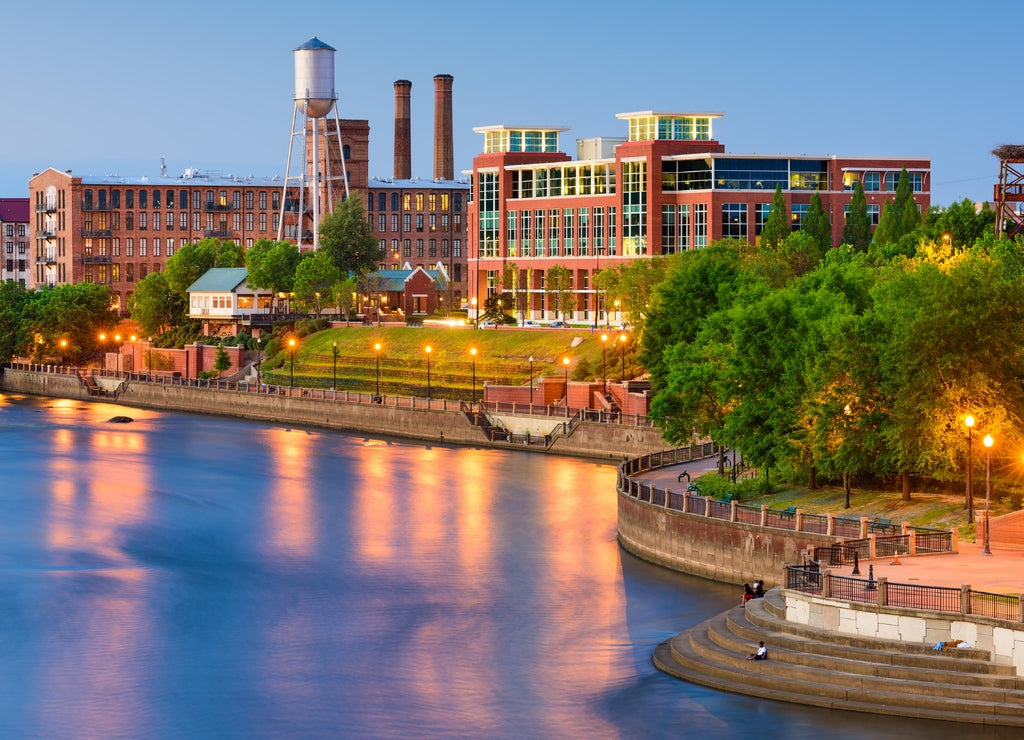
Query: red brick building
667	187
15	259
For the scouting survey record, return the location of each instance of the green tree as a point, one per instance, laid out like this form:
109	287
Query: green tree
13	300
271	265
154	307
348	238
191	262
314	276
558	286
908	215
76	314
777	227
221	362
857	231
343	292
887	231
816	224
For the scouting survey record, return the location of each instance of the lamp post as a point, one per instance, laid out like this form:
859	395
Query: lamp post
988	486
565	364
291	366
334	369
969	422
376	348
604	364
472	302
63	348
531	380
472	352
427	349
259	364
618	316
133	338
150	361
622	340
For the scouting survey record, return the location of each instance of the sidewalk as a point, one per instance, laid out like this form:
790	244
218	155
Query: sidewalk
1001	572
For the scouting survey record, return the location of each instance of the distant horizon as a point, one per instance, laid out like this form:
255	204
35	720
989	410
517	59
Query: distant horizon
888	80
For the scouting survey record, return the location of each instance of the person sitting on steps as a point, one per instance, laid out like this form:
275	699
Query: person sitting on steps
761	654
748	593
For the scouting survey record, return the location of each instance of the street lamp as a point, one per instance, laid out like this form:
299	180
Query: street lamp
291	367
259	364
622	340
376	348
531	380
133	338
618	316
63	349
472	352
969	422
988	486
150	368
334	370
565	364
472	302
604	364
427	350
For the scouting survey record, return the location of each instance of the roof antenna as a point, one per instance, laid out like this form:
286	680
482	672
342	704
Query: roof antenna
163	168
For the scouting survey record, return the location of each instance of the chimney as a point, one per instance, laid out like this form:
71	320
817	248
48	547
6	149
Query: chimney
444	157
403	131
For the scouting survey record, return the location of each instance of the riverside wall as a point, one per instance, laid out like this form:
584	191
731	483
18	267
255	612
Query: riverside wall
730	552
612	442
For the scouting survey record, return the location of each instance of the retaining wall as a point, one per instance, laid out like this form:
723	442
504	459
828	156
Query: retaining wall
612	442
725	551
1006	644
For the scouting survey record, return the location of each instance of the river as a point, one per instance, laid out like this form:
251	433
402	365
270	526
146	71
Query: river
195	577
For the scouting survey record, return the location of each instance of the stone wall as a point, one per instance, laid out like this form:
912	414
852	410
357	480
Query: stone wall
910	625
725	551
612	442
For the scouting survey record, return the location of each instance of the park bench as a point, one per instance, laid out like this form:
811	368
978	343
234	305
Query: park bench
789	512
881	524
729	498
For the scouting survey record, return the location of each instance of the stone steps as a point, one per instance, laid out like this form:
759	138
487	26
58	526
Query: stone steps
806	666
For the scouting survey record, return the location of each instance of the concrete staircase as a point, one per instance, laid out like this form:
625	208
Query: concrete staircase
838	671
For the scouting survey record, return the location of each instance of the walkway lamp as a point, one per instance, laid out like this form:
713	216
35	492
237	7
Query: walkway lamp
63	349
618	314
604	364
531	380
472	352
622	341
969	422
150	368
376	348
565	364
133	338
259	364
291	367
428	349
334	369
988	487
472	302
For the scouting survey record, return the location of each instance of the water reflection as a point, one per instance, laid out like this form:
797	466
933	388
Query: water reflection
208	578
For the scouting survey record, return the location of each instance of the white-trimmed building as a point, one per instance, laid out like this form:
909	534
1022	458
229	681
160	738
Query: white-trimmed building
222	299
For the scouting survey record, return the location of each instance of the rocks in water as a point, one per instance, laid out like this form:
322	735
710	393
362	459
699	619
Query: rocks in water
120	420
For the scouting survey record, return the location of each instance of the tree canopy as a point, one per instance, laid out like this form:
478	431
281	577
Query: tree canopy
348	238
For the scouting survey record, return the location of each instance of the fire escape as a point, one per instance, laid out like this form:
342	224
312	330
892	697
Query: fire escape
1009	191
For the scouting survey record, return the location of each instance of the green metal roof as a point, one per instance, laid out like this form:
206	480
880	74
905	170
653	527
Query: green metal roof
219	280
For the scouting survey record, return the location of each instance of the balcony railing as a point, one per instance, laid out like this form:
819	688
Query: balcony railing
46	207
218	233
210	207
50	258
96	259
91	205
97	233
44	234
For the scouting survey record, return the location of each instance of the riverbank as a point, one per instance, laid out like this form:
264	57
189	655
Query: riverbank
439	421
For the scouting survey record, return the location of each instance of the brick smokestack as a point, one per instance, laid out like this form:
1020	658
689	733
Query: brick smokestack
444	157
403	131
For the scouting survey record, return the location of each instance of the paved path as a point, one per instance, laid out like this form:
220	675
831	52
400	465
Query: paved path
1000	572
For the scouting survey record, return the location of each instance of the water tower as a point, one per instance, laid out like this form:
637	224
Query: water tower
314	99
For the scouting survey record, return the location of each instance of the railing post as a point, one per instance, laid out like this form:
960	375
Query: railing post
864	528
826	583
764	515
1020	607
798	521
905	527
912	543
830	526
883	591
707	505
686	502
734	512
954	541
872	545
965	599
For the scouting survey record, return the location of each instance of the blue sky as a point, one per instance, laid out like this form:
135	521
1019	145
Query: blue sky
111	87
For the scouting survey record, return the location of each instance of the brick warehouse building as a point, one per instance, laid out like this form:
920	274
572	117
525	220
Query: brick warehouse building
14	236
668	187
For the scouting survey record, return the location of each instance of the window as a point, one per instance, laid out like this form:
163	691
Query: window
142	221
407	221
700	225
394	201
683	228
382	201
457	248
129	221
872	181
419	248
129	272
156	198
115	198
444	248
382	222
197	200
129	246
156	221
406	248
419	201
142	270
249	197
263	200
406	202
734	220
183	220
668	229
761	213
170	222
263	222
129	198
394	222
182	199
457	200
419	222
143	248
433	222
250	221
156	247
170	247
874	212
143	198
275	200
797	213
634	207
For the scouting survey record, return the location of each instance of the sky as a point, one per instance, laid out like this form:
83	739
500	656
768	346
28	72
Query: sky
111	87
